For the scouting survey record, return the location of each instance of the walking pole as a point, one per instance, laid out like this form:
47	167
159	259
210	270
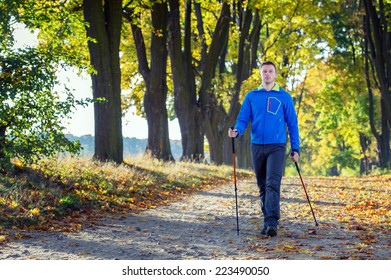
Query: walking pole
301	179
236	189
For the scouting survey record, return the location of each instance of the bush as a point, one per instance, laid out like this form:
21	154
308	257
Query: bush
31	112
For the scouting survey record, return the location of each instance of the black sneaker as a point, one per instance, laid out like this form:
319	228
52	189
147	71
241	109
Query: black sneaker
263	232
271	231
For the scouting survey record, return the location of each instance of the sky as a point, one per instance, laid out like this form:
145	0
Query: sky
82	120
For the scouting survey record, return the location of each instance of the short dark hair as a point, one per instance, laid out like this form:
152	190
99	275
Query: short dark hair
268	62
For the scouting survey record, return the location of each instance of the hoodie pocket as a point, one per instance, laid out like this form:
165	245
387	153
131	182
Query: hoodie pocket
273	105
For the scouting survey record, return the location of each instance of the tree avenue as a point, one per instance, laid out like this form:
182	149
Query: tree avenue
195	61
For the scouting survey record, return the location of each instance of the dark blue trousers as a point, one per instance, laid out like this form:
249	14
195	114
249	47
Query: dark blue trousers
268	162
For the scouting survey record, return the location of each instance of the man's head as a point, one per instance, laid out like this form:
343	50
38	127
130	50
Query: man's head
268	72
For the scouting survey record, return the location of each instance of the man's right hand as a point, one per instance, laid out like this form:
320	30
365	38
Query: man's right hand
233	133
294	156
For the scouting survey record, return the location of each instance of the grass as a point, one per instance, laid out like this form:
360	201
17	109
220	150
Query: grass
67	194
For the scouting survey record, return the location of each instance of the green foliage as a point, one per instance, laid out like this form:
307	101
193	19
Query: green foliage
251	83
333	113
7	8
69	202
296	35
381	171
31	112
61	29
334	109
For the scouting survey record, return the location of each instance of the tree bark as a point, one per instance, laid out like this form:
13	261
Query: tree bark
248	62
104	21
383	139
378	35
211	112
218	120
185	96
364	162
155	78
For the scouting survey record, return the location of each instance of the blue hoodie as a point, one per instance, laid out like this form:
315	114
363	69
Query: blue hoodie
270	112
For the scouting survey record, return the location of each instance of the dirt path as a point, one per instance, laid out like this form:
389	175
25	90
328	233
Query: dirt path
203	226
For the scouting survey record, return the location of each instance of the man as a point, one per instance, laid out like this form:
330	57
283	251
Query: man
270	110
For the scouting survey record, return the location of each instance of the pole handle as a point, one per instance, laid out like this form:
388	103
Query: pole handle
297	166
233	142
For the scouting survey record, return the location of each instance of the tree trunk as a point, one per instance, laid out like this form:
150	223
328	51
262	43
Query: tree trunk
2	141
219	121
364	162
156	94
185	96
379	38
383	139
378	34
155	79
333	171
247	63
105	27
214	131
208	104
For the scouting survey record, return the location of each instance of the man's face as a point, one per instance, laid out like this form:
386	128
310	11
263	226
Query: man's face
268	74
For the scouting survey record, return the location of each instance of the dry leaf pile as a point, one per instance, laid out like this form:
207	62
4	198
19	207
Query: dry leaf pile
353	215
